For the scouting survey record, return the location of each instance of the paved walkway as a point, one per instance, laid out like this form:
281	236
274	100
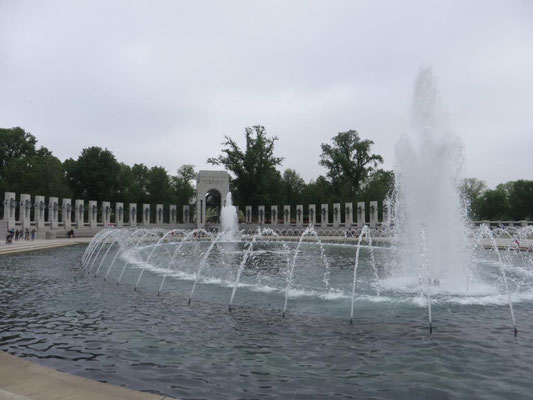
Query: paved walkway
23	380
19	246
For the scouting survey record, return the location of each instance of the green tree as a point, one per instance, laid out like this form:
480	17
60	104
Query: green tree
253	168
471	191
349	162
184	191
158	186
26	169
493	205
94	175
520	199
293	187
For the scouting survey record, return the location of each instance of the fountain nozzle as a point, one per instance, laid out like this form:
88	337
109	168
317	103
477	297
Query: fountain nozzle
515	332
189	302
229	308
430	329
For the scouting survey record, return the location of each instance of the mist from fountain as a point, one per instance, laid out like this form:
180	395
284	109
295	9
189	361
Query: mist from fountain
229	224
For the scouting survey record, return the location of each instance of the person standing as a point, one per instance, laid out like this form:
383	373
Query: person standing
33	234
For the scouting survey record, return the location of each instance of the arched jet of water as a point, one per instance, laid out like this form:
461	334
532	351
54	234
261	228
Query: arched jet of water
90	247
100	246
488	232
152	253
425	260
364	230
203	262
105	255
95	242
176	252
241	268
127	262
308	231
132	233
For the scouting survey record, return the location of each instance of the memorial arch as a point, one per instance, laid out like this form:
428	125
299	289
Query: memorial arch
209	181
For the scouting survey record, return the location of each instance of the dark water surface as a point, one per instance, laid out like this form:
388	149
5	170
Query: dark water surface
55	315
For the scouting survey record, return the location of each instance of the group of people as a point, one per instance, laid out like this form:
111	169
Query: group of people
16	234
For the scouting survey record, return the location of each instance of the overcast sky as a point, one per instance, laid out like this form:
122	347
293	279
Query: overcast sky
161	82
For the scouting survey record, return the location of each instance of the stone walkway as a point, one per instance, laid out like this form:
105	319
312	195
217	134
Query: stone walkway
23	380
19	246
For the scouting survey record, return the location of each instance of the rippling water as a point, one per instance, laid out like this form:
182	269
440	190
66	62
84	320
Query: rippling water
54	314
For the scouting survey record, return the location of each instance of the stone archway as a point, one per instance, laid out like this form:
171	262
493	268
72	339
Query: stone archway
209	181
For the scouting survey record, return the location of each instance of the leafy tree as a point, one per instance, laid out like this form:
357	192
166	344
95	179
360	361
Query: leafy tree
349	162
520	199
25	169
184	191
94	175
158	186
471	191
293	187
493	205
254	167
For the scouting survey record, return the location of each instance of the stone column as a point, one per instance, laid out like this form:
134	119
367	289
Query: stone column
286	215
39	208
361	218
119	215
325	215
146	214
386	210
106	214
133	214
79	215
93	214
312	214
336	215
173	214
248	214
159	214
273	215
261	215
187	214
299	215
67	213
53	211
348	215
10	204
25	209
373	214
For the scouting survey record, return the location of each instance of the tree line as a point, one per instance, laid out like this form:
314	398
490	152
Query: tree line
353	173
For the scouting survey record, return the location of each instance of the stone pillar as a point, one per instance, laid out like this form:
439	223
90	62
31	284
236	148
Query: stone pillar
79	216
106	214
348	215
159	214
325	215
133	214
286	215
25	209
386	210
10	204
299	215
273	215
119	215
373	214
248	215
67	214
336	215
53	212
361	218
312	214
146	214
261	215
173	214
93	214
187	214
39	208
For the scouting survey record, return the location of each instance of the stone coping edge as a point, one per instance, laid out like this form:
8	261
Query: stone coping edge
22	380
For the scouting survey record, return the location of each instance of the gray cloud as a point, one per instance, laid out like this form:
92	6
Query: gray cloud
162	82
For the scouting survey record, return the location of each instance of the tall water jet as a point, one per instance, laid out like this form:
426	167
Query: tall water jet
428	168
228	220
